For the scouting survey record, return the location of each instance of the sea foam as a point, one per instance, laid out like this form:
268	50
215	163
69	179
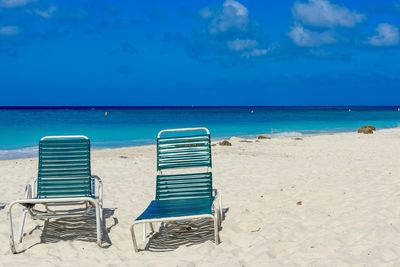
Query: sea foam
27	152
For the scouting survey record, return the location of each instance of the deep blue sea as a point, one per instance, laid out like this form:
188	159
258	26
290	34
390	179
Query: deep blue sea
21	129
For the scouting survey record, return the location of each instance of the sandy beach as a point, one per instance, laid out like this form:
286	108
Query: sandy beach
324	200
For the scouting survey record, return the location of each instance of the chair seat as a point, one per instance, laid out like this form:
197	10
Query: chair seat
177	208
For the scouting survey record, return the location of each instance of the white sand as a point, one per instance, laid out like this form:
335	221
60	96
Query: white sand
349	186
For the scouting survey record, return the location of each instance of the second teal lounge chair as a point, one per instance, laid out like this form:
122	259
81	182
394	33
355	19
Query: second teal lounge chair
183	195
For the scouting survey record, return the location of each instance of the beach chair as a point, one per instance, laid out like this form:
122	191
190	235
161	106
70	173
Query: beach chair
185	193
64	180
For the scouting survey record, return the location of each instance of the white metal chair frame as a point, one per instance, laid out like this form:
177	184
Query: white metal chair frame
216	205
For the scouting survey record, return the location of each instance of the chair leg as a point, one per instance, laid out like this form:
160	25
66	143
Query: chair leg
144	231
135	246
218	213
216	230
151	227
98	224
220	208
103	225
21	228
11	230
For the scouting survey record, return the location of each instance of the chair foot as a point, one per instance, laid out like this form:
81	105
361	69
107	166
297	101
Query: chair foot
11	230
21	228
135	246
99	224
216	230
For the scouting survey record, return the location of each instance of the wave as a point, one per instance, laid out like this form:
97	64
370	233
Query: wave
27	152
288	134
31	152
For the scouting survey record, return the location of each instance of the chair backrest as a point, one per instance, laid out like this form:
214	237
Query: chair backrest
180	150
64	167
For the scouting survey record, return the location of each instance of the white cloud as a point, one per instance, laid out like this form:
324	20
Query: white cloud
247	48
306	38
322	13
14	3
256	52
231	32
241	44
234	16
9	30
388	35
47	13
206	13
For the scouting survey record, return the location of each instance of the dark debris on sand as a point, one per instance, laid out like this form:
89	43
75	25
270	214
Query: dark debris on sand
225	143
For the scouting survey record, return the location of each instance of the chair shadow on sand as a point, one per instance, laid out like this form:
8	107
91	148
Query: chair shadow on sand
82	228
172	235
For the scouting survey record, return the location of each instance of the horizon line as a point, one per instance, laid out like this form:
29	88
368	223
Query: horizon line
198	106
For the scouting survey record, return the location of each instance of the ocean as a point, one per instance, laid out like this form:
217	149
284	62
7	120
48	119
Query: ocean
108	127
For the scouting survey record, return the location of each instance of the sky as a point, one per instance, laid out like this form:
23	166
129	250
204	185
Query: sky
199	53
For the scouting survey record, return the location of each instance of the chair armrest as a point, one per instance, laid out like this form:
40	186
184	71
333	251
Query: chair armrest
218	202
28	194
217	194
97	178
34	188
100	188
28	191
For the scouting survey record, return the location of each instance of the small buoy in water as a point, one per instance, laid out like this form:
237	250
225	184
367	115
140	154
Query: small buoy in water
349	110
398	109
106	113
252	111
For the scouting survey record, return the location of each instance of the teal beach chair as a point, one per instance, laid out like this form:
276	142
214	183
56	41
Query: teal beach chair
64	180
185	193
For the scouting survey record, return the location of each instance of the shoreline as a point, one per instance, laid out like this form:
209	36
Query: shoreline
32	154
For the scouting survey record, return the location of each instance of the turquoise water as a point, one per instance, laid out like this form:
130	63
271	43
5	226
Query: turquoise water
20	129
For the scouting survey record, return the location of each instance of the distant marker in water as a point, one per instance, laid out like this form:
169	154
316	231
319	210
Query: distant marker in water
349	110
106	114
252	111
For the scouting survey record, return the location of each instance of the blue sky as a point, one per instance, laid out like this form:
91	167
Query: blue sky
248	52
